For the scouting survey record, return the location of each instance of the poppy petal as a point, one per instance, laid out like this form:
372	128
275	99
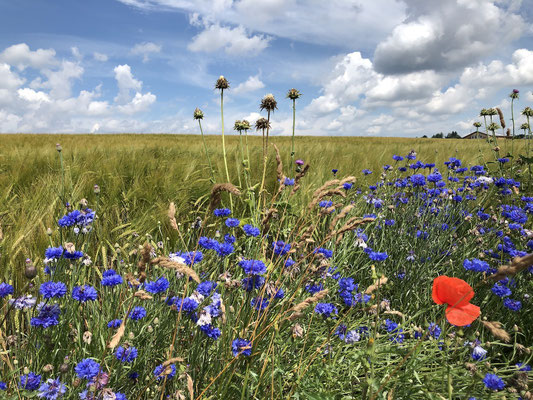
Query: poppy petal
455	292
461	316
437	283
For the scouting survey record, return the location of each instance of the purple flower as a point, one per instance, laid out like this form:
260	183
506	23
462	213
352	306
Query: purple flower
241	346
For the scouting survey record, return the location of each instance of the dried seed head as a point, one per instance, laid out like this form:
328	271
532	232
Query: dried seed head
58	147
528	112
502	120
63	368
477	124
293	94
96	189
268	103
87	337
48	368
524	126
245	125
222	83
238	126
198	114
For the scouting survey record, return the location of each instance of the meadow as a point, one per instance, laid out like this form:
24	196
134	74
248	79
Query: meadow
127	273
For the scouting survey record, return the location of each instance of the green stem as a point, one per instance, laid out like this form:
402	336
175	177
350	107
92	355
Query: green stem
223	140
213	180
293	127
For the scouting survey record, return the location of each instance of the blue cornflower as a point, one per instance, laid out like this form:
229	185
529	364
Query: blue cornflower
126	354
334	170
5	290
84	293
52	389
30	381
250	230
417	180
325	203
208	243
501	290
375	256
347	185
259	303
513	305
479	353
493	382
53	289
325	309
225	249
159	286
523	367
111	278
434	330
367	171
390	325
210	331
476	265
229	238
252	282
435	177
327	253
137	313
87	369
232	222
53	252
288	182
160	371
503	160
114	323
205	288
222	212
48	316
120	396
253	267
314	288
186	305
280	247
347	284
241	346
3	386
397	158
74	255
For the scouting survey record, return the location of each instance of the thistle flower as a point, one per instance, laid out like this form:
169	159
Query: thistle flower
245	125
493	126
293	94
222	83
198	114
238	126
262	124
514	94
528	112
477	125
268	103
524	126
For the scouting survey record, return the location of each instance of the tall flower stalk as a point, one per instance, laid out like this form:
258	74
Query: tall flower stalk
293	94
483	113
514	96
262	124
268	104
199	115
221	84
238	127
528	112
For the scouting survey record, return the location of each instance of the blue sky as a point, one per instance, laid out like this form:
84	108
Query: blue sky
366	68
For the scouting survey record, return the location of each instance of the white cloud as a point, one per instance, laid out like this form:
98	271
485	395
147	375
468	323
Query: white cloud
126	83
145	49
333	22
21	57
47	104
448	34
234	41
8	78
76	53
251	84
100	56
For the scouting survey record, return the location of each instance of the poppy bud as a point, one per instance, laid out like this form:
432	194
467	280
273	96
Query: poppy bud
30	271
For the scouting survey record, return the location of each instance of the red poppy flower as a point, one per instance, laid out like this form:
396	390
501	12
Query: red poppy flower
457	294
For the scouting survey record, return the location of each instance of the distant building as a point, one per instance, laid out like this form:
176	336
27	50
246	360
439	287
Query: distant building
481	135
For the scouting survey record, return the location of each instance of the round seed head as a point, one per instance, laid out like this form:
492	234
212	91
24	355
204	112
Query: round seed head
524	126
477	124
245	125
238	126
528	112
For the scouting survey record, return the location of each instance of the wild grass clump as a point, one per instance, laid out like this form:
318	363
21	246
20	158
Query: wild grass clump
410	280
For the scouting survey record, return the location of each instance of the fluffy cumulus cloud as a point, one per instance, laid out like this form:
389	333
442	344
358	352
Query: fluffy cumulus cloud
252	84
36	95
447	34
146	49
233	41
